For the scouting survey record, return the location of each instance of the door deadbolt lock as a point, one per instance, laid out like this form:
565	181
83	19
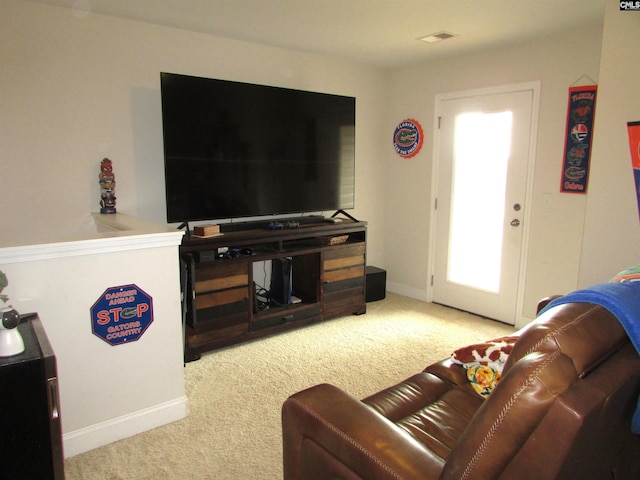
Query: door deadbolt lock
517	207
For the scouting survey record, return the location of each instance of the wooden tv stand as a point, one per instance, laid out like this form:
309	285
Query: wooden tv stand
220	302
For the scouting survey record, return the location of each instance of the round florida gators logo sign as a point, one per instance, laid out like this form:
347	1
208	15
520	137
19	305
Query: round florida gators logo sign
407	138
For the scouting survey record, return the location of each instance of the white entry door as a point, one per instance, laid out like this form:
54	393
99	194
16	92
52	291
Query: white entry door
484	145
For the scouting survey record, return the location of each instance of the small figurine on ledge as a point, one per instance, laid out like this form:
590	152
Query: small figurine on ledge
107	187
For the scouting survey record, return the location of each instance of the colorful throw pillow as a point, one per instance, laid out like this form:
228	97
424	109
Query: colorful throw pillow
631	274
484	362
483	379
493	353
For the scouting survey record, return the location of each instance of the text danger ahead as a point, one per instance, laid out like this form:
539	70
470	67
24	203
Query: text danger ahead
121	314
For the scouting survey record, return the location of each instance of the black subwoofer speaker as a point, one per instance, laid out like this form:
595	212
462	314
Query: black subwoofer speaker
376	283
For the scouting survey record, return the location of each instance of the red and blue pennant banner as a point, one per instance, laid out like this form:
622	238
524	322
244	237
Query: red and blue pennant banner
578	139
634	146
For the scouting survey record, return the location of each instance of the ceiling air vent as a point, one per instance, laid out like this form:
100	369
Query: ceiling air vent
437	37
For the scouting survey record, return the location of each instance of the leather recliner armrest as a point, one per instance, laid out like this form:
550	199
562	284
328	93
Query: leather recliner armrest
328	433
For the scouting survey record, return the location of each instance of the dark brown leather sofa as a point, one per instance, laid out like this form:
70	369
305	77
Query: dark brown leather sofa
562	410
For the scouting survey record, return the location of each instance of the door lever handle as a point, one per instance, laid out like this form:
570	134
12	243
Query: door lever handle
515	222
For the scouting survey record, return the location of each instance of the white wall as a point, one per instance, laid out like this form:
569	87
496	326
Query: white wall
76	89
612	230
556	226
107	392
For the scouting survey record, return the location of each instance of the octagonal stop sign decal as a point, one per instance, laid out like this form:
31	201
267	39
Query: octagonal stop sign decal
121	314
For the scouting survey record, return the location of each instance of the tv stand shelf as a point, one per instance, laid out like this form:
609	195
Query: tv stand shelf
221	305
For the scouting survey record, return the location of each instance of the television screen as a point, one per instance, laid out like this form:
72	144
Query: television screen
236	149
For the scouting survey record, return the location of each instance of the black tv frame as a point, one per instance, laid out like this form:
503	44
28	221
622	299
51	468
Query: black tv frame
332	113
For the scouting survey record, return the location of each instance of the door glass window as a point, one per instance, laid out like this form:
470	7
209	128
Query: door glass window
482	144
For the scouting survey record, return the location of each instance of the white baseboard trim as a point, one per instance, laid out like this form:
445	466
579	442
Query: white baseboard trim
103	433
417	294
407	291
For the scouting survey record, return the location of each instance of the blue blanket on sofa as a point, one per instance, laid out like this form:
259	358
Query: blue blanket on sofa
623	301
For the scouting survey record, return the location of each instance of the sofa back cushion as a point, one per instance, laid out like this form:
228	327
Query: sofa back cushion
586	333
570	381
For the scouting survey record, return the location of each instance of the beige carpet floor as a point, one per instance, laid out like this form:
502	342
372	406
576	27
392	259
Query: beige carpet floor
233	428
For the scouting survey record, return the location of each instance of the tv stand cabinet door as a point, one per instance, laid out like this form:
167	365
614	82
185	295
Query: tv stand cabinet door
343	270
220	308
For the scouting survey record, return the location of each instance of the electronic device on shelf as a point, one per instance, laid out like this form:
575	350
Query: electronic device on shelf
236	149
236	252
274	226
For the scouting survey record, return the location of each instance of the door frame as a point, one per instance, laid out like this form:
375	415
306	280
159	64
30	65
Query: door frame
534	87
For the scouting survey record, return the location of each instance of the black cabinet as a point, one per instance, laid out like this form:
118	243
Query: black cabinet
30	424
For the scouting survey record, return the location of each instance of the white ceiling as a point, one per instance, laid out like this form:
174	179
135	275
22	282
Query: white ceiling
382	33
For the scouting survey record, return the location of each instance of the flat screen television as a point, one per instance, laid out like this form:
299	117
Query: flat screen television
235	149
